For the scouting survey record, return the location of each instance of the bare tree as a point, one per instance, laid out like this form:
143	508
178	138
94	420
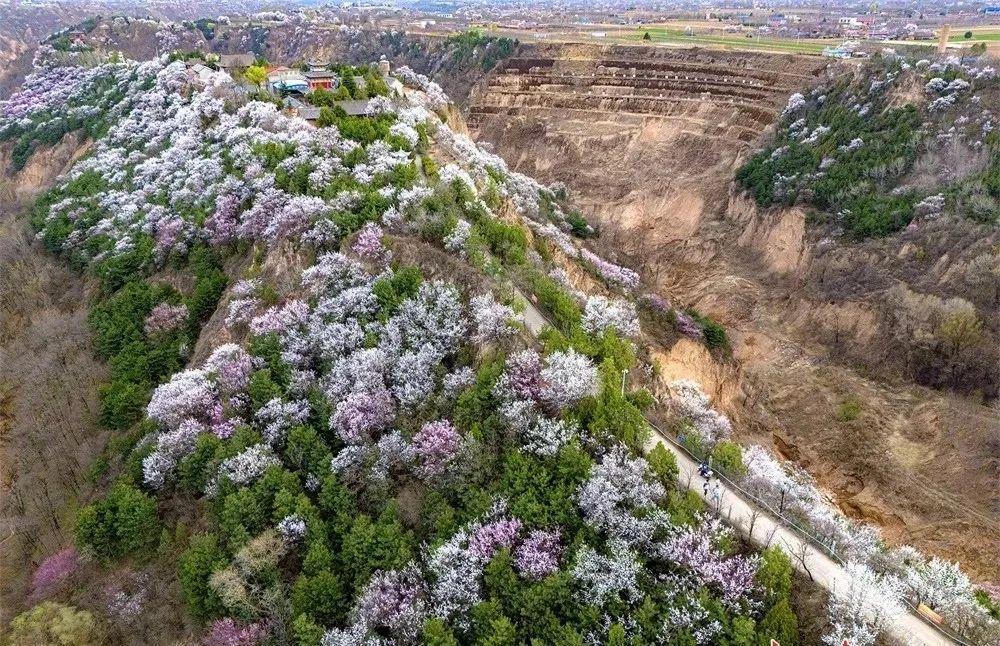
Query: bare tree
801	553
754	515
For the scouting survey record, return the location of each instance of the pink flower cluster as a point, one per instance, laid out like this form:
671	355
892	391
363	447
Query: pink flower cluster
50	90
657	303
165	318
521	378
281	318
693	548
687	326
228	632
538	556
362	414
490	538
435	446
611	272
369	245
396	600
54	572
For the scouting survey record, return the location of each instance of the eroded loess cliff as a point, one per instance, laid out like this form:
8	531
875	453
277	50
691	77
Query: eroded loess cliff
648	140
48	382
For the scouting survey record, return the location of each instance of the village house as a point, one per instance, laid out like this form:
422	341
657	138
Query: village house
285	79
319	77
353	108
298	108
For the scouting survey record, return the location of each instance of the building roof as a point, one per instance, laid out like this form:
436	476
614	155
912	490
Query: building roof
356	107
285	74
320	74
309	113
236	60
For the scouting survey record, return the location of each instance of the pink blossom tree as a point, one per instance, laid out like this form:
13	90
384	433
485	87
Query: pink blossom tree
165	318
396	601
363	414
228	632
54	572
568	378
368	245
435	446
491	537
538	555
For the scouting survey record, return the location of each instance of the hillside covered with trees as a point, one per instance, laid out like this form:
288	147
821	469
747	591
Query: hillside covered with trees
333	424
893	142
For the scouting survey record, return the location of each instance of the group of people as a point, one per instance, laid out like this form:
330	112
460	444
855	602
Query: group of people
705	472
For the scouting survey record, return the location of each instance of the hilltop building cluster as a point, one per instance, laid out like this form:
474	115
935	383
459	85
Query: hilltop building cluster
305	90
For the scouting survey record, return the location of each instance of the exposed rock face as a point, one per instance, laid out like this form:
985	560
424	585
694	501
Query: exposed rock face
48	382
777	237
647	140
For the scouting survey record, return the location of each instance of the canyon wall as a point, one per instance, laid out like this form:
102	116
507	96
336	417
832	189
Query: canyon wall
647	140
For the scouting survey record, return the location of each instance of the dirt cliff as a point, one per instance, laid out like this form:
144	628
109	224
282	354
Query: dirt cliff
647	140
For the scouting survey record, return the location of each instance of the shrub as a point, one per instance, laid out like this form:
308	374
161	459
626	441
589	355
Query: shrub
663	463
194	569
370	546
437	633
775	574
556	300
780	624
119	320
120	269
507	241
210	282
122	523
54	623
728	457
320	597
391	291
850	410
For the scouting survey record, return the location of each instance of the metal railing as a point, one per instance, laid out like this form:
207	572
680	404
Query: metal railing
809	536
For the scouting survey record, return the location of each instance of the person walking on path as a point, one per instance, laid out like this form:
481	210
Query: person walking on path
717	495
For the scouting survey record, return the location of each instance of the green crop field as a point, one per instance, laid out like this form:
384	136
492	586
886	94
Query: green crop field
736	41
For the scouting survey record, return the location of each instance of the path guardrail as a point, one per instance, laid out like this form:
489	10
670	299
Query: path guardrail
810	537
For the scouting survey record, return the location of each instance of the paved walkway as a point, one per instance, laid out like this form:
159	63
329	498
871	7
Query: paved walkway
907	628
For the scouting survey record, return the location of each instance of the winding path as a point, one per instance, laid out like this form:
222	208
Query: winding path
762	528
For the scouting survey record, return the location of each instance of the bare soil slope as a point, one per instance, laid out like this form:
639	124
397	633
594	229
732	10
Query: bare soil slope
648	141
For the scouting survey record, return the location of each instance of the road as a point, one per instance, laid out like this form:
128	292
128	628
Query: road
742	515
